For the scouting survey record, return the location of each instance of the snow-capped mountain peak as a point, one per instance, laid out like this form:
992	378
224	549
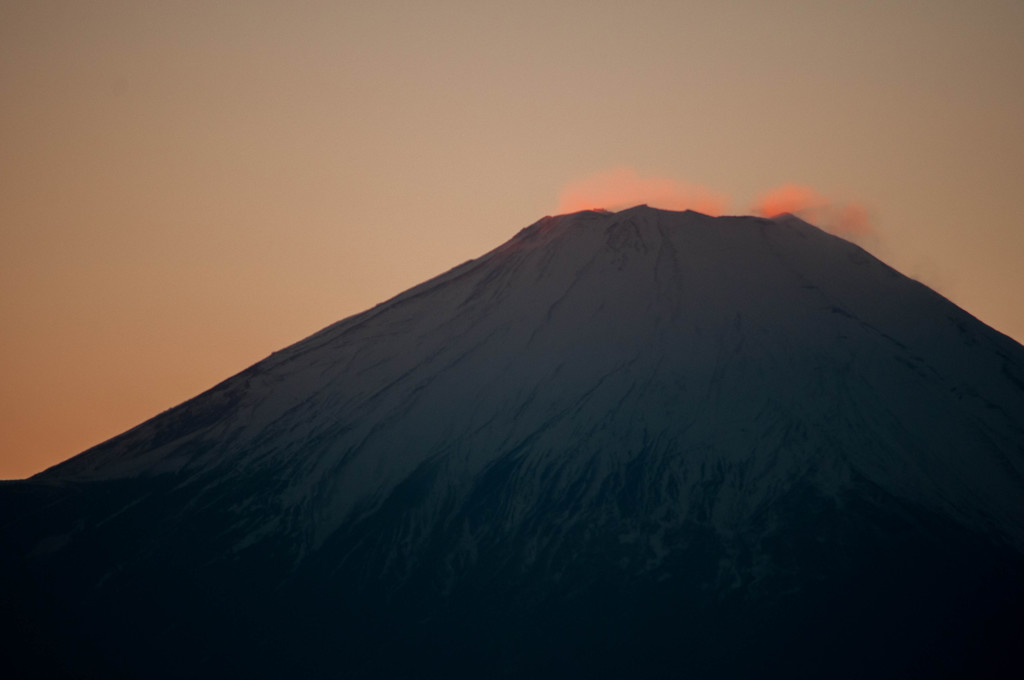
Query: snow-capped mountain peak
629	408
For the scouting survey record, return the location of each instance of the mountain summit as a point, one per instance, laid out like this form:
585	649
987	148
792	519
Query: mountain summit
644	443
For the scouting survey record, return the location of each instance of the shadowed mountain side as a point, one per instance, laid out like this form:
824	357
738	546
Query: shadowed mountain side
645	443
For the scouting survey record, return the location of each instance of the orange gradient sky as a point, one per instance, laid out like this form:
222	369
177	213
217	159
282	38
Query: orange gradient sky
188	186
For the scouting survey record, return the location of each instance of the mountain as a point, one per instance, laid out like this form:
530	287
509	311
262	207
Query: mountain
645	443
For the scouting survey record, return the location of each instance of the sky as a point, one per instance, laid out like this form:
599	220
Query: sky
188	186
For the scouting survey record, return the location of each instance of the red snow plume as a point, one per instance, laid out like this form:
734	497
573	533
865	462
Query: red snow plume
845	219
624	188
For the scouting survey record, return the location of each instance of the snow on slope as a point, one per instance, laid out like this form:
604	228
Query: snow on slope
757	354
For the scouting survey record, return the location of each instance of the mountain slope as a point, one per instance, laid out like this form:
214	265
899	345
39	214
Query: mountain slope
647	441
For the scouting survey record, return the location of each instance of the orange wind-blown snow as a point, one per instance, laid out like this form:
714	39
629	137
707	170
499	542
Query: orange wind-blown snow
845	219
624	188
